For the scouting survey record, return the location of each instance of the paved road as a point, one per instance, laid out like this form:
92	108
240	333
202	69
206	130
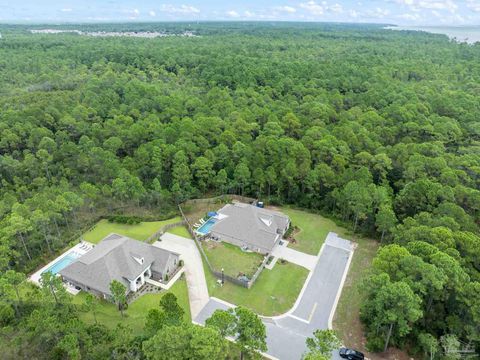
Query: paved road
197	286
286	334
294	256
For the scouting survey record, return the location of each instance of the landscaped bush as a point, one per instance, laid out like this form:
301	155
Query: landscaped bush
270	258
289	231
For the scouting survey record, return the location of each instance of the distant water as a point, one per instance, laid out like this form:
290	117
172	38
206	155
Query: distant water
468	34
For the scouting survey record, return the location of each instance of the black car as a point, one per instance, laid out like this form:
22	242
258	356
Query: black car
351	354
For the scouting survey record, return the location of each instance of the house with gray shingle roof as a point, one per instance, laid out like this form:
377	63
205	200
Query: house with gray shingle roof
119	258
250	227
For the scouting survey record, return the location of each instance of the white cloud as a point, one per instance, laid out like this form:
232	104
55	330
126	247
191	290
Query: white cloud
132	14
438	5
182	9
319	8
473	5
313	7
152	13
249	14
66	10
442	5
411	17
287	9
377	13
233	13
335	8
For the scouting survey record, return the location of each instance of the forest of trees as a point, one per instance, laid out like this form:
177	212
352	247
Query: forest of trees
379	129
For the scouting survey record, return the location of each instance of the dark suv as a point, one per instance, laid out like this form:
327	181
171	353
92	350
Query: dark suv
351	354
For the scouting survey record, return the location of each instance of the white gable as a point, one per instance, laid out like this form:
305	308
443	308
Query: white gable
266	221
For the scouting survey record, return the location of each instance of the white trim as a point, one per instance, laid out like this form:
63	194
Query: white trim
340	288
170	283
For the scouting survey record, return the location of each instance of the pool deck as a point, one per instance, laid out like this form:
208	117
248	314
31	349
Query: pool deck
81	248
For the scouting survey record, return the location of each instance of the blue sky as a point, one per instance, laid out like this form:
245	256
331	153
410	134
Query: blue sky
403	12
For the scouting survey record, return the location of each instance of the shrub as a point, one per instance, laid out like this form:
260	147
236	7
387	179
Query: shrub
123	219
7	314
375	343
289	231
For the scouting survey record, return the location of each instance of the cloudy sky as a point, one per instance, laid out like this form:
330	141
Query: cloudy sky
407	12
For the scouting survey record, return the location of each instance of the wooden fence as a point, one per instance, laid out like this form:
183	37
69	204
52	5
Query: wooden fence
231	197
219	275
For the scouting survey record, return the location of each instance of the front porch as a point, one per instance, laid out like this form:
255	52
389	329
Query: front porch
140	280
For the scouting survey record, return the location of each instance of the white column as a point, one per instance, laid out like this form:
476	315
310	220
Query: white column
133	285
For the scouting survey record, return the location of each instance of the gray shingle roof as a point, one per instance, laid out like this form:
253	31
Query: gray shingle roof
250	224
116	257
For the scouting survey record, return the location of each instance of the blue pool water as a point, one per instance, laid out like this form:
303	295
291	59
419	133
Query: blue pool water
205	228
62	263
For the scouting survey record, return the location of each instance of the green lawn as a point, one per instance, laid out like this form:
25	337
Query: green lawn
139	231
108	315
274	292
313	230
231	258
180	231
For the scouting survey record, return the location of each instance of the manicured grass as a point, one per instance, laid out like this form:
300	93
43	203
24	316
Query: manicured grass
180	231
108	315
231	258
313	230
284	282
274	292
139	231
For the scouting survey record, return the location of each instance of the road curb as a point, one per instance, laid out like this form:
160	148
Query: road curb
340	288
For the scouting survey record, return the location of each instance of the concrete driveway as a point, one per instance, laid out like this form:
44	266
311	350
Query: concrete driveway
294	256
314	308
197	286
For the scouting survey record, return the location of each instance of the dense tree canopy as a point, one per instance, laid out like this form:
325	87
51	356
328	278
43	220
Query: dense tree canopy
378	128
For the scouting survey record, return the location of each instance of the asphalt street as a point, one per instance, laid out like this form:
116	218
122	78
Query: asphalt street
286	334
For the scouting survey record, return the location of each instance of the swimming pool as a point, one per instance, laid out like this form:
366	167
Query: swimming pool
205	228
63	263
